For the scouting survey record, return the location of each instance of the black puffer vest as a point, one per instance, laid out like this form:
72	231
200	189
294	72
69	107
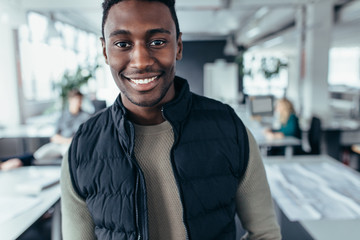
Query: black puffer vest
209	157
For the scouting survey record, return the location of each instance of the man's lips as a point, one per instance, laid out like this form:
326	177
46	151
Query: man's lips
143	80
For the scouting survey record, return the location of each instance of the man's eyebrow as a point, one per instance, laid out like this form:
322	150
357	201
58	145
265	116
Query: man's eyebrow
149	32
158	30
119	32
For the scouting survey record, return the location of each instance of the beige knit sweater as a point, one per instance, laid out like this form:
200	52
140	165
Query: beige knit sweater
152	150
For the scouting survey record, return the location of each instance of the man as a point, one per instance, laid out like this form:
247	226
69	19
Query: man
70	119
66	127
161	162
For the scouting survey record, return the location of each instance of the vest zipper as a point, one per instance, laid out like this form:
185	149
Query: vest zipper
136	208
141	220
176	174
137	199
143	217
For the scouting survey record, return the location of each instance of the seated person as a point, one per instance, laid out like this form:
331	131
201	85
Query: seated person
356	148
289	125
15	162
67	125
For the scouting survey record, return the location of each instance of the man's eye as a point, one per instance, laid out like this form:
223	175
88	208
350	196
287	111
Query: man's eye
157	43
122	44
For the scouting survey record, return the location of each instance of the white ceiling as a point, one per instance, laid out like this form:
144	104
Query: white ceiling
250	21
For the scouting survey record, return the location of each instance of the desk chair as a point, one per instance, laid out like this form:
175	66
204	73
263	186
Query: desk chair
315	135
313	138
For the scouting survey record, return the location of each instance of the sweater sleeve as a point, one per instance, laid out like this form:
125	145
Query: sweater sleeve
253	199
77	222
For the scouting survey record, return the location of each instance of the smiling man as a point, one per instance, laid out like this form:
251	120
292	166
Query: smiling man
141	48
161	162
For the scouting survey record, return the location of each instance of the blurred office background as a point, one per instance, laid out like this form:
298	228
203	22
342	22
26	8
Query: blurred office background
305	50
308	51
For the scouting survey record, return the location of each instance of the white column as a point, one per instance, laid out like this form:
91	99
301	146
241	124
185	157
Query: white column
9	101
9	96
317	44
296	62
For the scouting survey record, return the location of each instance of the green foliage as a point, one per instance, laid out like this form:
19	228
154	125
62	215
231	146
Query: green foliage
270	67
239	60
70	81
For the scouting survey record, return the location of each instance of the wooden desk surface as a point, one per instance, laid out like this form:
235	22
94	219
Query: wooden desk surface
20	221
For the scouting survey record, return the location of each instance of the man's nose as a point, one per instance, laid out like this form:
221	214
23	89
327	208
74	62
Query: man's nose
141	57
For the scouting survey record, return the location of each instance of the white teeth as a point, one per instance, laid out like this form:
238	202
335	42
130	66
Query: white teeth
143	81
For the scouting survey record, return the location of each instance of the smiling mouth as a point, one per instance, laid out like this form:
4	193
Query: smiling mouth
140	81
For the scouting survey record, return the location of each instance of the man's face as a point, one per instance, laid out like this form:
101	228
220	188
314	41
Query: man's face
141	48
75	104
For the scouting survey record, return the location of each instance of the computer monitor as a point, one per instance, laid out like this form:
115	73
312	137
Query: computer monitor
262	105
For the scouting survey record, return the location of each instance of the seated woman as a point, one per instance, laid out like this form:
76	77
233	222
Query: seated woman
289	125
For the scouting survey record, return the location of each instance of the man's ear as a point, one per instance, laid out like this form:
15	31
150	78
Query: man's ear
104	49
179	48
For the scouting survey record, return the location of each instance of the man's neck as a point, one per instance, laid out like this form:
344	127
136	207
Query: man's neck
151	116
148	115
74	112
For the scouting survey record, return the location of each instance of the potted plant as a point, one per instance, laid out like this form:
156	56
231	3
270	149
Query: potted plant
270	67
70	81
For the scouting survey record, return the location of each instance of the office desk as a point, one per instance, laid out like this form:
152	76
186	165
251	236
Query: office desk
317	192
24	138
287	142
32	206
257	129
27	131
340	134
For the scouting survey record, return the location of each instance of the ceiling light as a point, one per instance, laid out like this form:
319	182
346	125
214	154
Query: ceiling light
230	47
51	31
261	12
273	42
253	32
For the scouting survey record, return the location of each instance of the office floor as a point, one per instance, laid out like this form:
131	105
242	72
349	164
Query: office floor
40	230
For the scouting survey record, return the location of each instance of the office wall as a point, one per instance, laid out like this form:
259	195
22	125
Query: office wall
9	101
11	17
195	55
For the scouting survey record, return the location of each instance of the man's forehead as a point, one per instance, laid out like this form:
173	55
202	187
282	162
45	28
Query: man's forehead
136	9
128	15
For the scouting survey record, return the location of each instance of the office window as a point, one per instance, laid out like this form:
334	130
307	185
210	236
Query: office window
258	79
344	67
45	58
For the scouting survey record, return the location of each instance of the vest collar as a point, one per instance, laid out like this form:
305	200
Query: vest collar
178	109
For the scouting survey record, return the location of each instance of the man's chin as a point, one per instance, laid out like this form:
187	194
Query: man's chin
147	104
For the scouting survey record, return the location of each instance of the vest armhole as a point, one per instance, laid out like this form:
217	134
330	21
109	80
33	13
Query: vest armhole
243	141
73	164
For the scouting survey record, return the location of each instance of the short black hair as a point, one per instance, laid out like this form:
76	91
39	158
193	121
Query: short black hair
107	4
74	93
